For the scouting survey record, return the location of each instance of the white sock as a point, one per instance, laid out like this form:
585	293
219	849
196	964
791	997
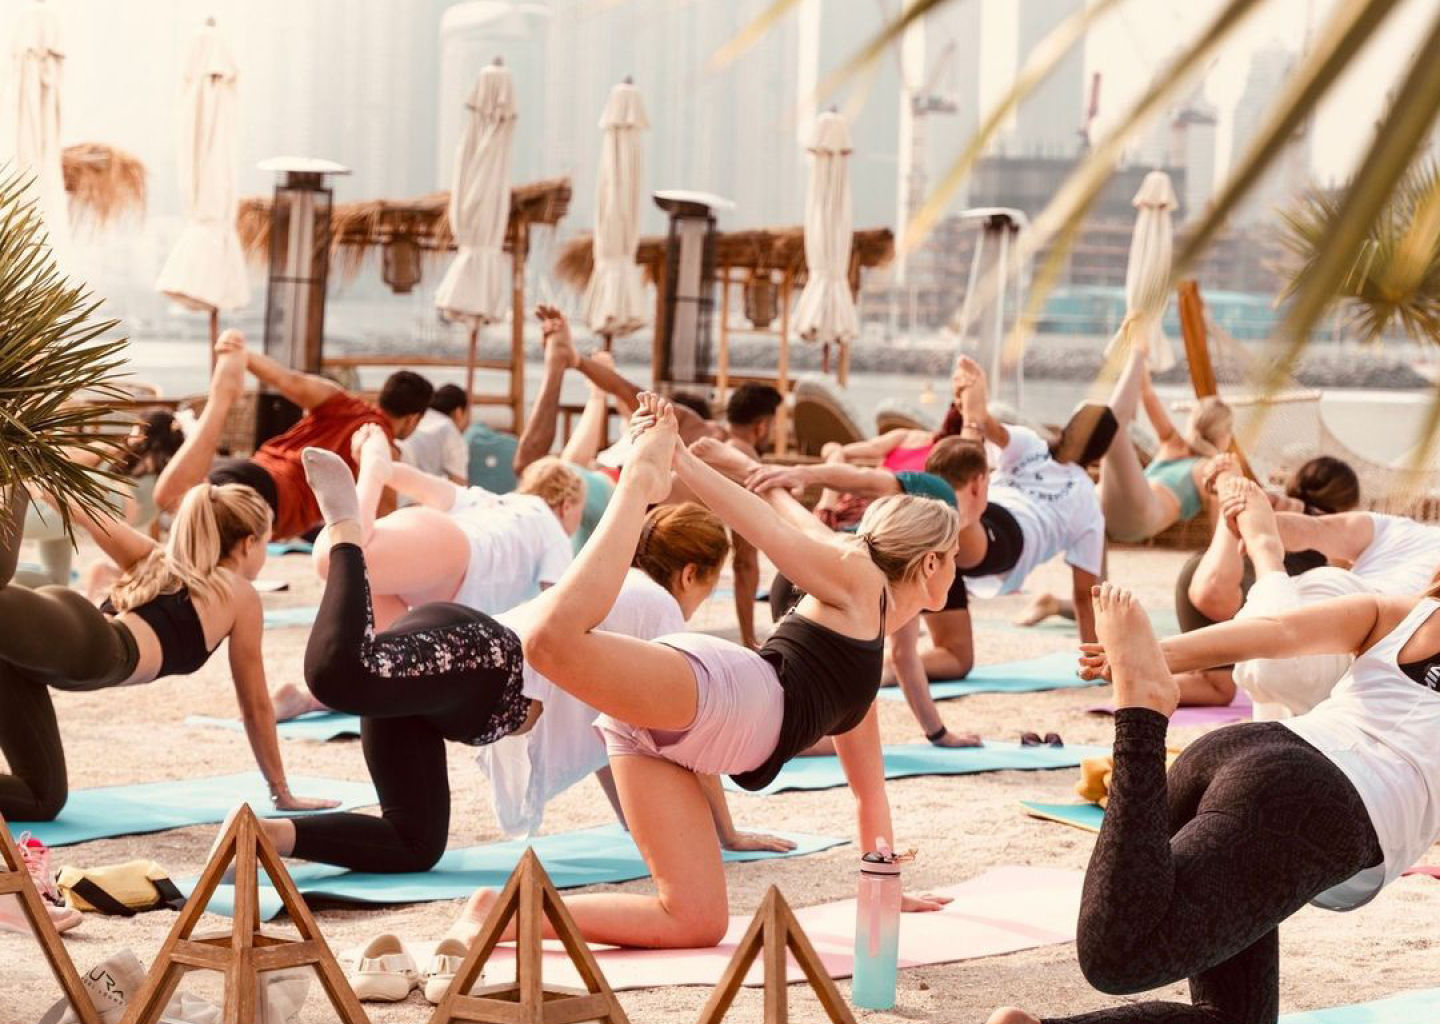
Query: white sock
333	485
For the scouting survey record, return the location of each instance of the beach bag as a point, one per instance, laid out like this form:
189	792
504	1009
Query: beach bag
120	889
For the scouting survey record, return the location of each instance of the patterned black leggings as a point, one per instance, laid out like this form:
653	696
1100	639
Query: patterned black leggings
442	672
1191	876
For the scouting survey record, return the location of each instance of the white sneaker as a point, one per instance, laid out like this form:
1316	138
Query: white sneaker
444	965
385	972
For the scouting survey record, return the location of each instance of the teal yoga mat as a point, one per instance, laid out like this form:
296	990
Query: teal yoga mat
1086	816
913	759
322	726
156	806
588	857
283	618
1049	672
276	548
1405	1008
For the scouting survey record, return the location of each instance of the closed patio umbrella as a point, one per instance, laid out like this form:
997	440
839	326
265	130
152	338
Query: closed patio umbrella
614	297
206	269
826	310
37	60
1147	275
474	289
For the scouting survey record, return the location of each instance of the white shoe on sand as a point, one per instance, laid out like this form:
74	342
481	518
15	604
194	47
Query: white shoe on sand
385	972
444	965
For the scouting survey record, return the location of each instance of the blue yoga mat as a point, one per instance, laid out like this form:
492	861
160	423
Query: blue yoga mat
1086	816
156	806
588	857
1049	672
1405	1008
281	618
912	759
276	548
322	726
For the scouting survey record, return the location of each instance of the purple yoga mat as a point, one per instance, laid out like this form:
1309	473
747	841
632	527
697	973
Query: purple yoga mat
1238	710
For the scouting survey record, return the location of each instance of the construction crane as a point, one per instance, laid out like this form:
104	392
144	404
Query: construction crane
1092	109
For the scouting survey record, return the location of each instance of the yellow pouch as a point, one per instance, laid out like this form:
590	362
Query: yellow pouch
121	889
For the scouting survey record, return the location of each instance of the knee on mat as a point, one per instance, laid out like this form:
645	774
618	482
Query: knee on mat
421	854
1112	965
698	927
46	806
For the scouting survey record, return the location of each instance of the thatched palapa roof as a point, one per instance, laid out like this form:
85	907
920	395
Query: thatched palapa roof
762	249
358	227
102	182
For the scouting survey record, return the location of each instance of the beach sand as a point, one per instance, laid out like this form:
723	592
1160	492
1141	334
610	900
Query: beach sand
961	826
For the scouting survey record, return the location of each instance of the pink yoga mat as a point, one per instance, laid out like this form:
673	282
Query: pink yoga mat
1002	911
1238	710
1433	870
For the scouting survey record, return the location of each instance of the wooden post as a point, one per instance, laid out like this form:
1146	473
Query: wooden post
246	951
782	368
722	373
470	361
15	881
214	334
519	252
528	899
1197	354
775	930
657	345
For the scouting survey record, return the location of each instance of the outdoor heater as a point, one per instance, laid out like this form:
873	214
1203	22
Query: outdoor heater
993	298
682	340
299	267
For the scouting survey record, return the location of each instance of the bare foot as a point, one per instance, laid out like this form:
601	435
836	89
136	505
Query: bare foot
1044	606
653	448
724	458
291	701
1137	665
227	380
472	917
555	335
1010	1015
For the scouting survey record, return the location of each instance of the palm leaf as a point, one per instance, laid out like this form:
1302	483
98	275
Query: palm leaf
57	370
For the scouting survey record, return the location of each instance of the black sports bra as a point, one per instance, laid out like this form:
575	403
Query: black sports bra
176	625
1426	673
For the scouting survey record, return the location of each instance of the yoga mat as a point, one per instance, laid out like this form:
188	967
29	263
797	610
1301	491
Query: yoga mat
270	586
156	806
282	618
587	857
1049	672
1405	1008
1083	816
1429	870
276	548
912	759
1238	710
322	726
1163	622
1002	911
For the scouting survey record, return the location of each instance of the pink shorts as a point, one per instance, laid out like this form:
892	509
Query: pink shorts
738	708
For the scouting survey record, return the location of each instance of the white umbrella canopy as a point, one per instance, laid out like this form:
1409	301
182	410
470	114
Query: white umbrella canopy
206	269
614	301
474	289
33	115
826	310
1147	275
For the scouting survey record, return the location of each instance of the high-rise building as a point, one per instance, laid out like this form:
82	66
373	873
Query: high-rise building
1193	138
1049	120
1269	69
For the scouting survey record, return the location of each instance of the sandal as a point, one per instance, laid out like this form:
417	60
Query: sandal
385	972
444	965
1034	739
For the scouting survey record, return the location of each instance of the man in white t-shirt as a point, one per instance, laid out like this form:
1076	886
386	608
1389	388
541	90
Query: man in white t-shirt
438	444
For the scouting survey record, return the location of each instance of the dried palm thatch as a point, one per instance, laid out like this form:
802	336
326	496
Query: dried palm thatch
359	228
103	182
781	249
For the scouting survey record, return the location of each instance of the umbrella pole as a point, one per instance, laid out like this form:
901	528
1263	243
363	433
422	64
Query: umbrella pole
470	360
214	334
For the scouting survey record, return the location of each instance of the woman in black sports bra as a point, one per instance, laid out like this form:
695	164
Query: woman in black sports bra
165	616
691	704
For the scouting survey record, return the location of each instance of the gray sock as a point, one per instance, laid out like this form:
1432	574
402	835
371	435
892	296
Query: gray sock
333	485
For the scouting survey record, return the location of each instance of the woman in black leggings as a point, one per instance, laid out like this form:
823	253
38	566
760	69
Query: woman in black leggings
1193	873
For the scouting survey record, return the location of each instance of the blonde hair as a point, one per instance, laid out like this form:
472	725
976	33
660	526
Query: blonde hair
1210	427
675	536
211	520
899	531
553	481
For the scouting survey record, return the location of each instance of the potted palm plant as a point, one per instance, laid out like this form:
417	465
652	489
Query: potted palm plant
57	374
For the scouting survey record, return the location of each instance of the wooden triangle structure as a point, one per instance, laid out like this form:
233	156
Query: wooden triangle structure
528	899
15	881
245	952
775	930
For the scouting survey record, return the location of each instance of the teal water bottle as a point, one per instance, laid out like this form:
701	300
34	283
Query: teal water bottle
877	930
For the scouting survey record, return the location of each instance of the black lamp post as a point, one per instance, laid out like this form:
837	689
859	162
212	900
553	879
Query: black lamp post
299	269
682	338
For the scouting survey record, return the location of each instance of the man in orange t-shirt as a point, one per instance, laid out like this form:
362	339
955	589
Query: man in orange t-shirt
331	416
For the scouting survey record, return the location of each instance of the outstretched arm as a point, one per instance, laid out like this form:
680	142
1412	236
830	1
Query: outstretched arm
1342	537
304	389
122	543
1156	412
693	426
538	437
1341	625
730	837
859	480
874	448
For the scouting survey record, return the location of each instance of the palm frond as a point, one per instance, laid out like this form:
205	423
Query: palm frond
57	370
751	33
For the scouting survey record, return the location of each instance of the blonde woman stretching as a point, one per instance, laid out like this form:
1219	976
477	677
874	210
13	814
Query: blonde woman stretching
1140	502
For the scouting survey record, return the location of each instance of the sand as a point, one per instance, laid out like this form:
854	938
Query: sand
961	826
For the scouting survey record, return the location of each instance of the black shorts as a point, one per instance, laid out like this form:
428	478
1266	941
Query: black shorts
1005	545
243	471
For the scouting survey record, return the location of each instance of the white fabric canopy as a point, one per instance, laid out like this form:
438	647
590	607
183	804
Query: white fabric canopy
206	269
826	310
615	297
1147	275
33	115
475	287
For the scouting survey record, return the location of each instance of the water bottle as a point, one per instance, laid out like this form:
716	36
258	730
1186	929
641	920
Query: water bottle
877	930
